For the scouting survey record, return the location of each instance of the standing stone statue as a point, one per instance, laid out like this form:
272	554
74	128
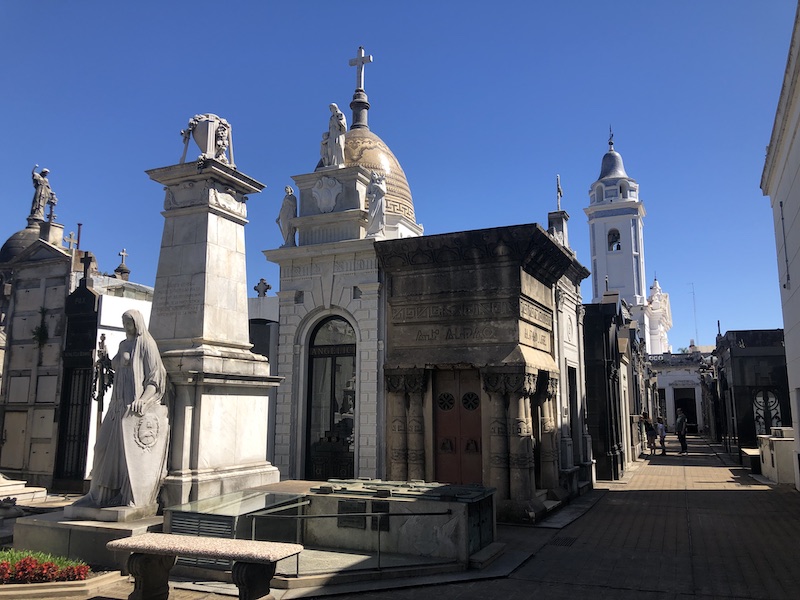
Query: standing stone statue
285	216
376	193
43	194
334	145
131	449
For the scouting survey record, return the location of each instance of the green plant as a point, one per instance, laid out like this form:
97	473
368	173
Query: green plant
40	332
22	566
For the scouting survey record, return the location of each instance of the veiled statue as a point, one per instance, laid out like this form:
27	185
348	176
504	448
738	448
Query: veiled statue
131	449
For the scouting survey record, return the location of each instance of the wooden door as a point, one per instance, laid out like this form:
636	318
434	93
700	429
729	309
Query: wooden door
457	422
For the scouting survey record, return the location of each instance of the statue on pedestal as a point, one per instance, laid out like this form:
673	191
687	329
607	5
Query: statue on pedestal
131	449
43	194
376	193
333	145
287	213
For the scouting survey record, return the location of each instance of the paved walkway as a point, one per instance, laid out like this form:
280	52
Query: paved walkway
676	527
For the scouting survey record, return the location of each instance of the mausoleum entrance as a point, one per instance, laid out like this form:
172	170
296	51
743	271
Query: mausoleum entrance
457	422
330	435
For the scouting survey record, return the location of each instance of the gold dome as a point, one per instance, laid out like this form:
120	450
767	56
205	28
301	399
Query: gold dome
365	149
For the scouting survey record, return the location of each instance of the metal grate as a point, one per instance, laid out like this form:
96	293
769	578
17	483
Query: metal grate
206	526
562	541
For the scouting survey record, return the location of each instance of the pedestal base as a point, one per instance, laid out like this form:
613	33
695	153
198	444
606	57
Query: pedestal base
185	486
111	514
82	540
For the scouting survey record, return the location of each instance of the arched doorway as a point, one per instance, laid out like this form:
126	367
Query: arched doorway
330	408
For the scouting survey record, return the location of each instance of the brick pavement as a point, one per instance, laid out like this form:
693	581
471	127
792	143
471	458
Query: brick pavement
677	527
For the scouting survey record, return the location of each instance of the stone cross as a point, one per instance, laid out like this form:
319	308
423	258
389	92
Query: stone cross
87	263
262	287
358	62
123	254
71	240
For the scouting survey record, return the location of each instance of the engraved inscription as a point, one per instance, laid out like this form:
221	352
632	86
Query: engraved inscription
535	337
528	310
463	309
180	298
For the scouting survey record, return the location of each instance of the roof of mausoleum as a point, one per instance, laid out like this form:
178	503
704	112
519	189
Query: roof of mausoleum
365	149
19	241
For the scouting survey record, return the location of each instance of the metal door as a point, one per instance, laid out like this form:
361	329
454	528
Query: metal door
457	421
14	426
73	430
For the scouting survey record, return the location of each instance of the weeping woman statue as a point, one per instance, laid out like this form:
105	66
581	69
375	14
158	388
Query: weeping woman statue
131	449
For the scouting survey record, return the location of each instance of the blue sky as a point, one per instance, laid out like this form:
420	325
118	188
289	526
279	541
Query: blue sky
482	103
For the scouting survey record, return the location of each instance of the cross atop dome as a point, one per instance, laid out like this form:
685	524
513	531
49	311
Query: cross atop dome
360	103
358	62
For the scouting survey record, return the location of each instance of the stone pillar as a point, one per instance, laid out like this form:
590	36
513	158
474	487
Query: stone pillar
549	442
511	442
415	385
498	444
407	423
200	322
397	435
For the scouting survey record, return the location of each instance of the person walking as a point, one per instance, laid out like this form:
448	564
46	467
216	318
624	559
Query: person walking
650	432
662	435
680	429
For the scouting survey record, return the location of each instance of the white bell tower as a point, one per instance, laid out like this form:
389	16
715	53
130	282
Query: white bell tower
616	238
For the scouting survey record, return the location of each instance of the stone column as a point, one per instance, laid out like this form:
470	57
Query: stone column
415	385
397	435
549	449
406	391
522	481
498	435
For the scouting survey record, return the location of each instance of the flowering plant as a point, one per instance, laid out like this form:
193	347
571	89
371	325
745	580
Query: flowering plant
36	567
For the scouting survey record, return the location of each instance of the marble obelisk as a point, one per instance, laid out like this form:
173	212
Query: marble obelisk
200	321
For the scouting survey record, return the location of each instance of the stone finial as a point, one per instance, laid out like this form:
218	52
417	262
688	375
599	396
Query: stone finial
122	271
213	135
262	287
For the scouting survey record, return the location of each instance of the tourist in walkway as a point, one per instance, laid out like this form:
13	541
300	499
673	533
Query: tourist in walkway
650	432
680	429
662	435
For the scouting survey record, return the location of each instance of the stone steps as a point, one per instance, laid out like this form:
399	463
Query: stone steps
14	488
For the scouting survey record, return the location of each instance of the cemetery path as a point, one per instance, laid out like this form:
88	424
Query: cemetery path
676	527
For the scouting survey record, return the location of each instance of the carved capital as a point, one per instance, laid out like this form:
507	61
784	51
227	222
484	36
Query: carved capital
407	382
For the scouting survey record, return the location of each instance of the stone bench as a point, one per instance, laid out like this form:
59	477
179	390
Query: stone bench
154	554
752	459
